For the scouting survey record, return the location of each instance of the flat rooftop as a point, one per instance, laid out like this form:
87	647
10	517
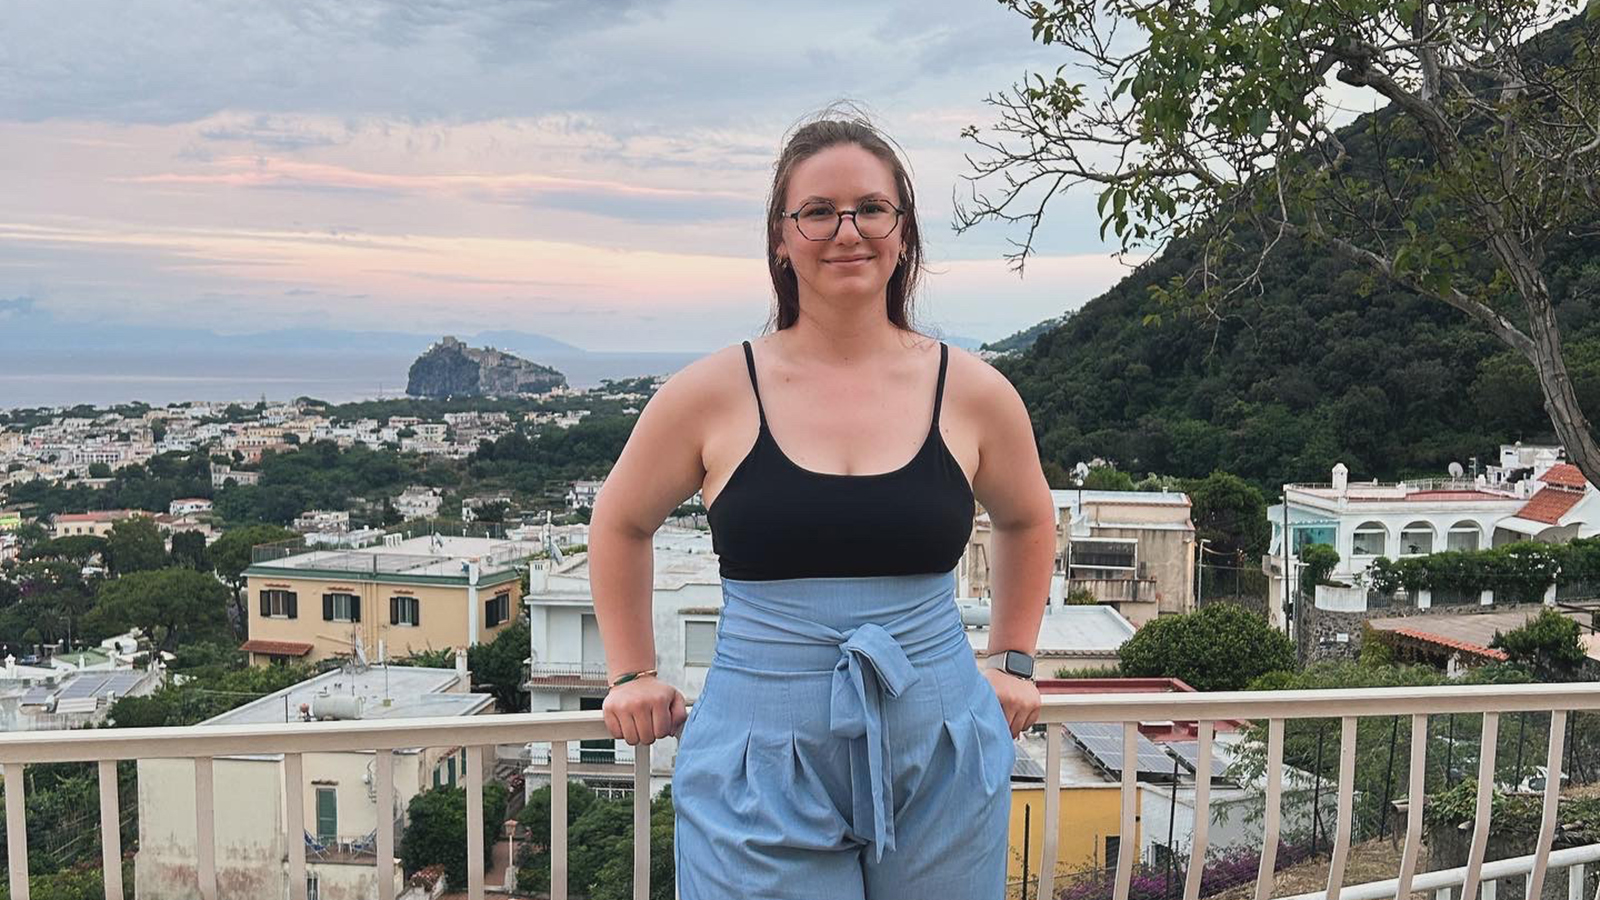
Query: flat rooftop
430	555
412	692
1071	631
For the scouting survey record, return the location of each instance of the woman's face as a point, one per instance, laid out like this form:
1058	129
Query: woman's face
848	177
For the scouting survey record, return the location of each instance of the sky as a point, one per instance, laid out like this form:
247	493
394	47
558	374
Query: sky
591	170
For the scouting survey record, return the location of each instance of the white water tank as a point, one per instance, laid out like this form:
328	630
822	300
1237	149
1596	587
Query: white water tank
336	706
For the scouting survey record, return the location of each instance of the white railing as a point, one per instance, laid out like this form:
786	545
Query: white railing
481	734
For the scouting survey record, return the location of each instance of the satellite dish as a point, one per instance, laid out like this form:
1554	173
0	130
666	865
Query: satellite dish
1456	471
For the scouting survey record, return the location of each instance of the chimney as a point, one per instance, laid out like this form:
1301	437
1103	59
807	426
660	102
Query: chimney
1341	477
462	673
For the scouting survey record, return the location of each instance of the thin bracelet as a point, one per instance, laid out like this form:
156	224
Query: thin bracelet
624	679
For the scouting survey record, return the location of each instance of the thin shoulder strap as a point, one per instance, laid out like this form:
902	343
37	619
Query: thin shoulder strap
938	394
750	363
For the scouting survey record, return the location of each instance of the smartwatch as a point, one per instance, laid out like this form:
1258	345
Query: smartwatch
1012	662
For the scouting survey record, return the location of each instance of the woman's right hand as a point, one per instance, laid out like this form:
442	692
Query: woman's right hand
644	709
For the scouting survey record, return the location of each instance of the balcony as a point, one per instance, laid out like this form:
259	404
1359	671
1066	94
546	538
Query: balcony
1276	709
585	678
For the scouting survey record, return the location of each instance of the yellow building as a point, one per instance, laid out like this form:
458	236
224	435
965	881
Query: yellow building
404	596
98	523
1089	819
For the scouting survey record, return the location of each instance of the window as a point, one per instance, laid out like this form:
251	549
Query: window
699	643
279	604
405	611
1102	558
313	887
1311	534
1113	850
1416	539
1369	539
327	814
497	609
341	608
1463	536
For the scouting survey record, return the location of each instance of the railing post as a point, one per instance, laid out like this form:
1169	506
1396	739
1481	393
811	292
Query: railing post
1487	744
1269	836
1127	841
1416	790
1050	849
1200	833
110	830
205	828
384	772
16	832
474	823
1345	806
1552	797
294	795
641	821
558	820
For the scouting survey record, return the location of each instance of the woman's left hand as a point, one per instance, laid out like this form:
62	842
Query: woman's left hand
1019	698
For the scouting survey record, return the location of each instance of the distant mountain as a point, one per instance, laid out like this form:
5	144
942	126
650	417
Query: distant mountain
450	368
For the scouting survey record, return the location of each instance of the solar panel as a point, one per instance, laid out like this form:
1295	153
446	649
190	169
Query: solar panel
1189	752
1027	768
1103	742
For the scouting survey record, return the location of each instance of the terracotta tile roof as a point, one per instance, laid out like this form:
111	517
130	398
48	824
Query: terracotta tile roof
275	648
1564	474
1441	640
1549	505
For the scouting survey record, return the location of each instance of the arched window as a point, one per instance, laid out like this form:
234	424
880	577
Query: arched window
1464	535
1369	539
1416	539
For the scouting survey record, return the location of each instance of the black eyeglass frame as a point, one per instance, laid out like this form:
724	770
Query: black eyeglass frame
838	221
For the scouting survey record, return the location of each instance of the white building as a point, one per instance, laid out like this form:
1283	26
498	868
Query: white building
567	663
340	802
1545	501
582	493
418	502
189	506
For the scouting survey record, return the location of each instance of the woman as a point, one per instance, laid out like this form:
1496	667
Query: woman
845	744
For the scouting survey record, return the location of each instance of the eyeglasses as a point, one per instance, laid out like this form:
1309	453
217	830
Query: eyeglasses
819	221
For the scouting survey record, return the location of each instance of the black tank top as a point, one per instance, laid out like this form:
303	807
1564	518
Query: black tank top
774	519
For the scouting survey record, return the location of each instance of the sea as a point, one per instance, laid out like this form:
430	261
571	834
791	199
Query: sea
40	379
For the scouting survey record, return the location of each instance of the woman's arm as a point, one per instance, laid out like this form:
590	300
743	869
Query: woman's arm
659	468
1011	486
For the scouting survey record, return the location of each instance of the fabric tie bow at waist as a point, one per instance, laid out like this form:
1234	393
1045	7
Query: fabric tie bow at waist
871	664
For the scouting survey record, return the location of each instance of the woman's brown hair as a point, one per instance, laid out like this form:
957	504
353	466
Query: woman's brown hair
842	123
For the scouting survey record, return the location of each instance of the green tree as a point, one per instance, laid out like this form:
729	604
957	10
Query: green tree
135	545
498	664
1547	645
1484	152
1318	560
1220	647
230	556
436	832
76	548
171	606
189	549
99	470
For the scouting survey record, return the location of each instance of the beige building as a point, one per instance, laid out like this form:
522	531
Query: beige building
1133	550
97	523
424	593
340	791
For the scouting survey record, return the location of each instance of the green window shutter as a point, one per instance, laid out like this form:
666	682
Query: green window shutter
294	605
327	607
355	608
327	814
266	604
394	610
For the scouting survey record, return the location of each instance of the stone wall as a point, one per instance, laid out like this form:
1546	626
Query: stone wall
1317	628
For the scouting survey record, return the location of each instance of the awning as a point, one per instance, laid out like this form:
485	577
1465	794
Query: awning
275	648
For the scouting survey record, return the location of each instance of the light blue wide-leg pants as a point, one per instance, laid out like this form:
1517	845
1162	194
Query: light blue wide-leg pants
845	747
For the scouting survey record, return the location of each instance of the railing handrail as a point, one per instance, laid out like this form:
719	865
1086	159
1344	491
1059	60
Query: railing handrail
521	728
